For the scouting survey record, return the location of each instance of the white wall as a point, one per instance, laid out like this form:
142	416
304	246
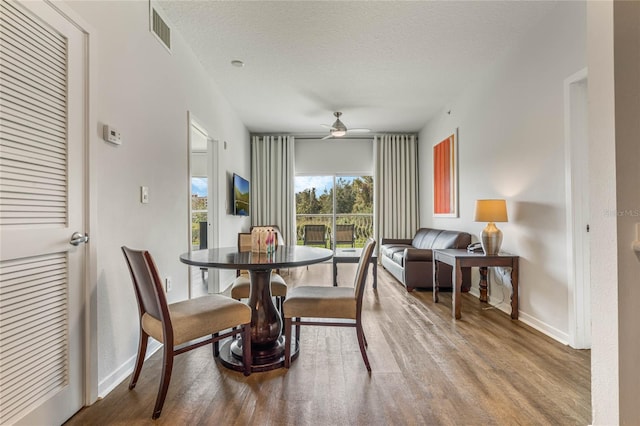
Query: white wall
511	145
627	109
145	93
604	269
614	95
334	156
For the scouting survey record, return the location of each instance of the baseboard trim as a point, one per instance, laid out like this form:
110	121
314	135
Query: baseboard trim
527	319
543	327
124	371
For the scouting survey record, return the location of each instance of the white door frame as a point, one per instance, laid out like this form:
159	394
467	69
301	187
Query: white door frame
91	205
577	220
213	213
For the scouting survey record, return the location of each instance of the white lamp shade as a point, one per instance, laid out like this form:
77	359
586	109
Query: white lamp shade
491	211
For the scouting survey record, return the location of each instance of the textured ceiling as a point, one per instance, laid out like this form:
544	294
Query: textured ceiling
388	66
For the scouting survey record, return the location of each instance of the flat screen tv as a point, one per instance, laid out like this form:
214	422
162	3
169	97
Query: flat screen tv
240	196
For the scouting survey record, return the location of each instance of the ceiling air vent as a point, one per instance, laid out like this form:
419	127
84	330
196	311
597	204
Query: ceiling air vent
160	29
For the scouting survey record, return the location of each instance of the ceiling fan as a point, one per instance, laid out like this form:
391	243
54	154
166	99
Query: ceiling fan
338	129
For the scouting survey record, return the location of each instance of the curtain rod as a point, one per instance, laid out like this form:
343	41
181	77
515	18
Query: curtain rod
322	135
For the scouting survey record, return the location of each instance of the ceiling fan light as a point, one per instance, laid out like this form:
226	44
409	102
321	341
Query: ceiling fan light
338	133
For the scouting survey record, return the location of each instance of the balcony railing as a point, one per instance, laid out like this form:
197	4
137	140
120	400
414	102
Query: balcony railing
363	225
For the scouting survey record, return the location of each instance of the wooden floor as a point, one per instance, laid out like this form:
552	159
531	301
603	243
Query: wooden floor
428	369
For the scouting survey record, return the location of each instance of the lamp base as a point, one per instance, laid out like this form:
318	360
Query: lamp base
491	239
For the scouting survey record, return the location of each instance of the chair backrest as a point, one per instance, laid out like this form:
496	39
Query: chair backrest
361	272
315	234
345	234
148	286
244	245
244	241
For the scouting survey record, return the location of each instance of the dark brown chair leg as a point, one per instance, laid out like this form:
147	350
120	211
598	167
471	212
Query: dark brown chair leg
298	333
281	307
288	339
365	340
167	367
247	357
363	351
216	345
142	350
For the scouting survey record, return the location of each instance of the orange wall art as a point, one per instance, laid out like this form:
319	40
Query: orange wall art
445	177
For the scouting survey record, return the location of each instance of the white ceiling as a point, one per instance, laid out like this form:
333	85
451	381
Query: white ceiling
388	66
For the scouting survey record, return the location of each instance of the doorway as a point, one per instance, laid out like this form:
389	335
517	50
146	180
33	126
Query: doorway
203	205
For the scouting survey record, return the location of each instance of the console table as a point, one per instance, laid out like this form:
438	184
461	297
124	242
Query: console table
458	259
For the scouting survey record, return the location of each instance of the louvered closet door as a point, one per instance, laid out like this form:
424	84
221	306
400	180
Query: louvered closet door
42	110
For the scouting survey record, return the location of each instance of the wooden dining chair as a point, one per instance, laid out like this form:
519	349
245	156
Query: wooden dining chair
178	324
241	287
329	303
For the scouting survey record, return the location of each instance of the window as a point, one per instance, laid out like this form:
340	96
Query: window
346	212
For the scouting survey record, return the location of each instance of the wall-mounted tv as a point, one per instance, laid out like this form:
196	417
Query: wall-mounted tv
240	196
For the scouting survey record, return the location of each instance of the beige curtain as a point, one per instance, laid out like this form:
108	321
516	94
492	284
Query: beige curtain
272	175
396	200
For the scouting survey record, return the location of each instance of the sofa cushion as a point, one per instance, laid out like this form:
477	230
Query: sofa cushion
390	250
398	257
425	237
448	240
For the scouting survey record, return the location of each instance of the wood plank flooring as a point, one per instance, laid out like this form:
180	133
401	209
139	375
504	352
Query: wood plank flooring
428	369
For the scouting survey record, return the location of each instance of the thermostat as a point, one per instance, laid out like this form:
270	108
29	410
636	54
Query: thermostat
111	135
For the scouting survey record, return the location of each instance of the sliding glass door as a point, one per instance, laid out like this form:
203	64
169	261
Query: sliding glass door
334	211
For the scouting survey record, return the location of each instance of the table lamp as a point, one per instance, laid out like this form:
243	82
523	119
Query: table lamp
491	211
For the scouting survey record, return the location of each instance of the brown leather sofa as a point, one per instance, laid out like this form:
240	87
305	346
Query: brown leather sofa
410	260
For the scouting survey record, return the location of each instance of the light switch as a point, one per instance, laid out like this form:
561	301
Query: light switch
144	194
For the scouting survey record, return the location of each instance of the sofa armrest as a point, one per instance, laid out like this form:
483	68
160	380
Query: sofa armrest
419	255
396	241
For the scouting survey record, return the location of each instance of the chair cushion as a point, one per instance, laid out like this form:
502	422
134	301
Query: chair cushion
242	285
320	302
202	316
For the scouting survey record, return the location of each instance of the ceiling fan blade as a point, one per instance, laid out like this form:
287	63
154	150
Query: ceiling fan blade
327	137
358	130
328	127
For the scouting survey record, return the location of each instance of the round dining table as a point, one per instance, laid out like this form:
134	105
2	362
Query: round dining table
267	341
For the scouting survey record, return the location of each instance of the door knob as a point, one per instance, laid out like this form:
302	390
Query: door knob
77	239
